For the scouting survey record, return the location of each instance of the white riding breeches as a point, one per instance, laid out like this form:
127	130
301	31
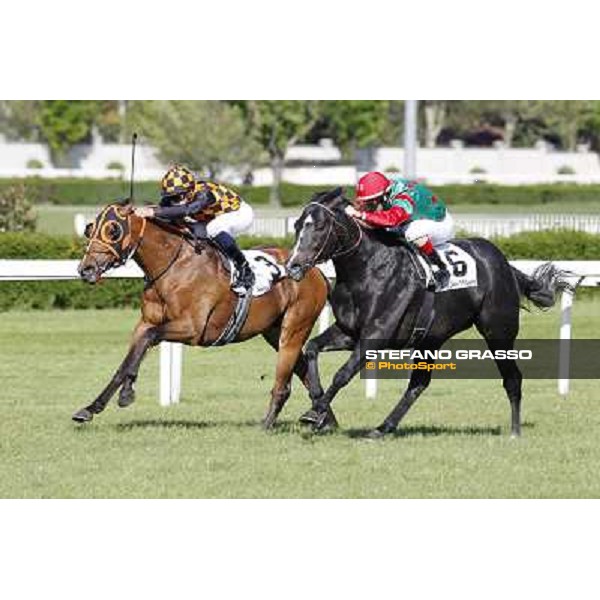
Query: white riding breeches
233	223
439	232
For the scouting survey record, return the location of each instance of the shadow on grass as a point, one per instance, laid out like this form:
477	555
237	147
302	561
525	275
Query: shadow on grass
291	427
180	424
437	430
281	427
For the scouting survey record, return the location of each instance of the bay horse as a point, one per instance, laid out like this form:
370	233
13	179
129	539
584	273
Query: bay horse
377	283
187	298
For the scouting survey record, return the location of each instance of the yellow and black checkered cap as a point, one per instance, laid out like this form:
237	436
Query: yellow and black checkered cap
177	180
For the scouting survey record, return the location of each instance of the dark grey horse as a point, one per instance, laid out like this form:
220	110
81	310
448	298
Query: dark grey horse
379	289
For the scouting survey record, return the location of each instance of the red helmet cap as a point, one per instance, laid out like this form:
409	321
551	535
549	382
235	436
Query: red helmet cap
371	186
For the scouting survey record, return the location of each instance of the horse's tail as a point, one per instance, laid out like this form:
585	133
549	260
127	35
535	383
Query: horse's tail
544	284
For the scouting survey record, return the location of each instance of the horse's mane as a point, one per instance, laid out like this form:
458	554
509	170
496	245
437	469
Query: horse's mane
171	228
333	199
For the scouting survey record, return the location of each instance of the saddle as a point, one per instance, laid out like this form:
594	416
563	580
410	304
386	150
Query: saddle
267	272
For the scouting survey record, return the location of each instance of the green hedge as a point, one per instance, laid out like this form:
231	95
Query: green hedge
115	293
109	293
94	192
97	192
551	245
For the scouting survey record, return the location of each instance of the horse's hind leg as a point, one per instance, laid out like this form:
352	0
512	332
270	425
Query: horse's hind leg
419	381
503	338
512	380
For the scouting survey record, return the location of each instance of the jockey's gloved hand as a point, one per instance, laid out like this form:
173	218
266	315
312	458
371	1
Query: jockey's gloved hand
205	198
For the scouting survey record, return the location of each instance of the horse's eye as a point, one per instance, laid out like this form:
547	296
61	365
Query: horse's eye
115	232
112	232
87	232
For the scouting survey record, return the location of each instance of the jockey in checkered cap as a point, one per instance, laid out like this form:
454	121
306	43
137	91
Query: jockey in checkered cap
407	208
208	209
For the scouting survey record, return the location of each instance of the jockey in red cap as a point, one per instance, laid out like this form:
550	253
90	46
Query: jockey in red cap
407	207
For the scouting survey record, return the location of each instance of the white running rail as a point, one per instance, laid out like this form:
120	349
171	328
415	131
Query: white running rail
171	354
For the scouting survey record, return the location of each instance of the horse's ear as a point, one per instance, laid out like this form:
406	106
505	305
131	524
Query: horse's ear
125	206
331	195
87	232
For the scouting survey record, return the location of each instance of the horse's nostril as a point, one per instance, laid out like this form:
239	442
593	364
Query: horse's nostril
88	272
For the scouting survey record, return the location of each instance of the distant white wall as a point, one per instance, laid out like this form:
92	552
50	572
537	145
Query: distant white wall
436	166
512	165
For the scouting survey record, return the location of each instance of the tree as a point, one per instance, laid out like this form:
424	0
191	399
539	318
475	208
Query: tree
19	119
277	125
205	135
60	123
355	123
64	123
16	210
566	118
434	112
510	114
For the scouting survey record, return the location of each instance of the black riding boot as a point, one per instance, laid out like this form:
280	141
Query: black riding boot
441	274
244	277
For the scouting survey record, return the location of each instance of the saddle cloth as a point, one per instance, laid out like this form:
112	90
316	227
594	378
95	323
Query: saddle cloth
267	271
461	266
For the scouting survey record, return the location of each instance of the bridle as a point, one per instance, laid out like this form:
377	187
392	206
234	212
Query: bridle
125	249
296	271
335	222
121	247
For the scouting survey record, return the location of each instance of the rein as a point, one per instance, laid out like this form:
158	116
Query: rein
150	281
101	236
335	221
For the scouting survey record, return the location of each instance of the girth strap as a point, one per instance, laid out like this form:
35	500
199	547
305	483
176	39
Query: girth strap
423	320
236	321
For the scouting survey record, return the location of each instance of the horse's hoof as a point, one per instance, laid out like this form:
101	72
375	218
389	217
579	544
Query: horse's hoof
83	416
310	417
268	424
332	422
126	398
375	434
326	422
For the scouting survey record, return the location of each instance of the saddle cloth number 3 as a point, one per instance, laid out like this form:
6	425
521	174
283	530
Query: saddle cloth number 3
266	270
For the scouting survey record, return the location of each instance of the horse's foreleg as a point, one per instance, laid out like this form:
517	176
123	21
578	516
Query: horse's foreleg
144	337
419	381
330	340
343	376
282	387
288	341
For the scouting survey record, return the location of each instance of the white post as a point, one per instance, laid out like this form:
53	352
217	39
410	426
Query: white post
324	318
170	373
410	138
564	357
176	368
371	389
